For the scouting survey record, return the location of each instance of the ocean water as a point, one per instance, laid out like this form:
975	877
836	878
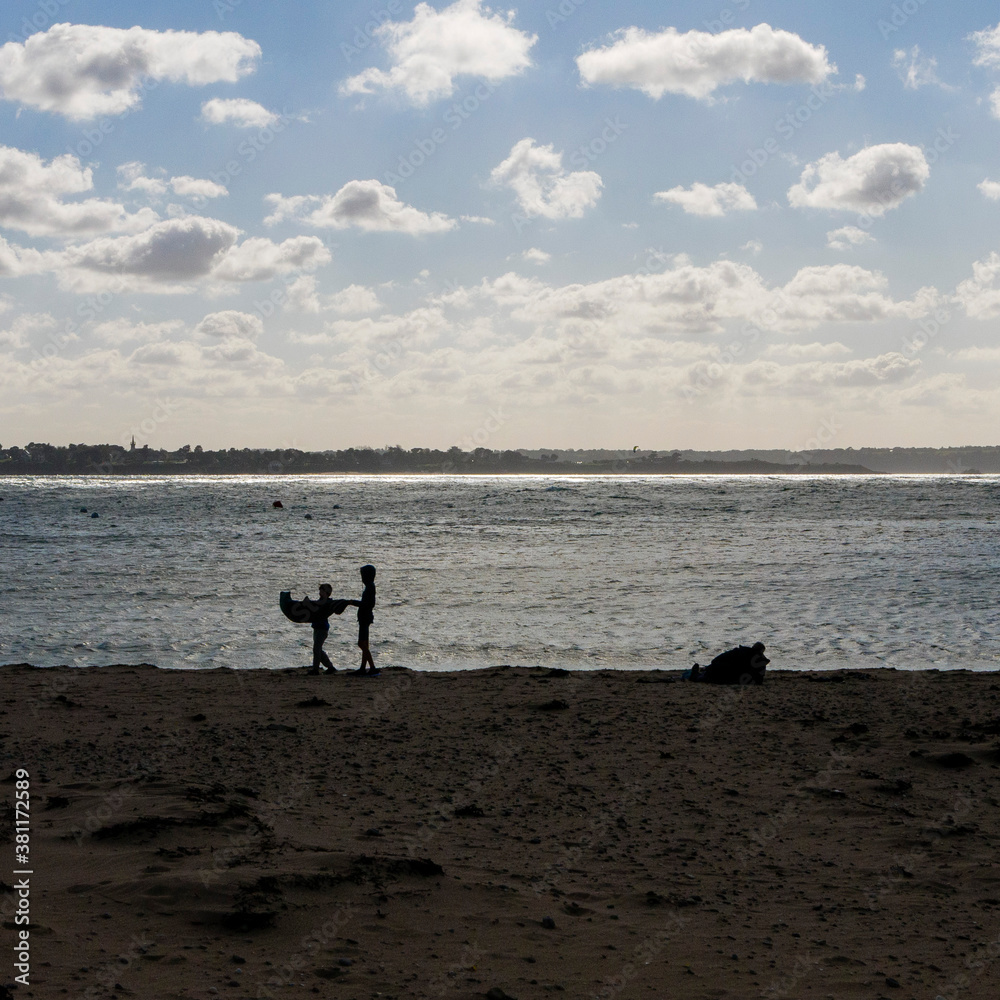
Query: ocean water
576	572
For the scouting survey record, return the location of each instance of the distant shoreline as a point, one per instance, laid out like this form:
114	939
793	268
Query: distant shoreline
116	460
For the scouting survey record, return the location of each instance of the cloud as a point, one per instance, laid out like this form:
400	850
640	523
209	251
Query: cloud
987	44
258	259
977	355
696	63
916	72
535	256
847	237
32	194
979	295
175	250
83	71
368	205
237	111
806	377
812	352
428	52
715	201
170	255
753	246
873	181
543	186
133	178
123	331
354	300
19	334
230	323
995	103
686	299
990	189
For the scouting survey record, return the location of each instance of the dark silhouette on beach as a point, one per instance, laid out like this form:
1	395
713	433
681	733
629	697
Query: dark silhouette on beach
742	665
366	615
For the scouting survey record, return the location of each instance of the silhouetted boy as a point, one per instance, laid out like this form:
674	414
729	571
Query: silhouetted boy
366	615
321	611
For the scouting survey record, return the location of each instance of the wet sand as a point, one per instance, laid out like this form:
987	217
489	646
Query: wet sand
527	832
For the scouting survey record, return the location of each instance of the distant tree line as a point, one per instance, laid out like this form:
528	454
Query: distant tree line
107	459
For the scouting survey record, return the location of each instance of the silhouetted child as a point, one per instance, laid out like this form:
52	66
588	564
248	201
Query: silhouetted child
366	615
321	611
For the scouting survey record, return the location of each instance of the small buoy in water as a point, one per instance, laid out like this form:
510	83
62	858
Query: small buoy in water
95	514
83	510
309	517
277	504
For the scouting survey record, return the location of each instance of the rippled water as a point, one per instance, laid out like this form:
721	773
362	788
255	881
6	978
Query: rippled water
562	571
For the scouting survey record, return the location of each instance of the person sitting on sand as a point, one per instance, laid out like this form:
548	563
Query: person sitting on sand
320	617
742	665
366	615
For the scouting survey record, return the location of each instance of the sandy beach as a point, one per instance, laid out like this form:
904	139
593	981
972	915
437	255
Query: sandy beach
509	832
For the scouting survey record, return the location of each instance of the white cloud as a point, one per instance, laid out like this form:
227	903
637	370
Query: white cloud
767	376
354	300
811	352
701	199
170	255
995	103
753	246
689	299
696	63
979	295
230	323
916	72
196	188
535	256
987	44
302	295
170	251
847	237
84	71
122	331
543	186
977	355
369	205
428	52
133	178
873	181
990	189
259	259
32	194
237	111
21	330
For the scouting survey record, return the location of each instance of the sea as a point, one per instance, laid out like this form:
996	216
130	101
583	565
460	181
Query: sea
578	572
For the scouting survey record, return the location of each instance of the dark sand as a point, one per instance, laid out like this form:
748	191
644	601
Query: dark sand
221	834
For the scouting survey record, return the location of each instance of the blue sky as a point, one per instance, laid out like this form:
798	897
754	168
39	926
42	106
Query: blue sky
563	224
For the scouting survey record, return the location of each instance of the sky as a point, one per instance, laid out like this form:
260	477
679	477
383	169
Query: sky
566	224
